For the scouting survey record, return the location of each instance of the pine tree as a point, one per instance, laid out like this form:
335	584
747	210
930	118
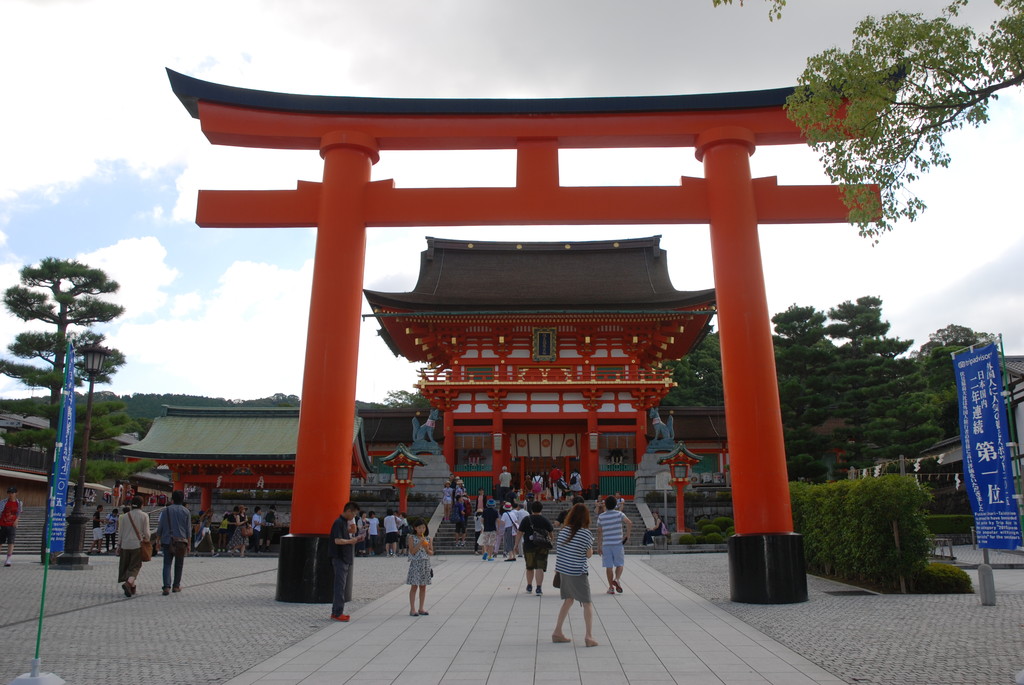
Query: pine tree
62	294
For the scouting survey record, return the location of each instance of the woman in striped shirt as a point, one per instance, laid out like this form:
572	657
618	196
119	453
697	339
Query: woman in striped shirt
575	546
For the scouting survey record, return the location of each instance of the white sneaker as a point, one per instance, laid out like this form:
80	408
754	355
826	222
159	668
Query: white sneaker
7	563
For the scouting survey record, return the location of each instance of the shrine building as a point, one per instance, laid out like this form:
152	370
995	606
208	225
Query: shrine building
545	354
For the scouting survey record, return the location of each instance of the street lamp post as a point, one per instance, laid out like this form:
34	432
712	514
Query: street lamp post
403	462
679	461
74	556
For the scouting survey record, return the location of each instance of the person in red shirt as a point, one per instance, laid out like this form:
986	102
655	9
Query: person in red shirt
9	521
556	491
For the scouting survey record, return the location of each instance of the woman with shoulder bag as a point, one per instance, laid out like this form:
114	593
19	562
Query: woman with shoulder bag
575	547
132	535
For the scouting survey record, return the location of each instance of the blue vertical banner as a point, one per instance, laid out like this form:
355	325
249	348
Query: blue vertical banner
988	472
62	455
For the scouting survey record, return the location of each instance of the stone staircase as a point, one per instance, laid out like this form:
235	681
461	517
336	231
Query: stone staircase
444	536
29	539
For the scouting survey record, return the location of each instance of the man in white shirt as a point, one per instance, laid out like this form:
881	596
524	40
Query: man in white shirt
391	533
504	484
611	542
521	513
373	531
257	531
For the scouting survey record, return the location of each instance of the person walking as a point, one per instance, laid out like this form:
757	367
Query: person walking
132	529
458	517
223	530
257	530
576	484
9	521
510	524
174	531
110	531
535	535
238	537
269	521
447	494
554	478
342	556
374	531
575	547
611	543
504	484
391	534
99	520
489	536
421	548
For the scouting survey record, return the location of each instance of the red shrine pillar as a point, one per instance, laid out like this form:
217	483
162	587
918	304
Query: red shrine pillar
323	460
205	497
766	563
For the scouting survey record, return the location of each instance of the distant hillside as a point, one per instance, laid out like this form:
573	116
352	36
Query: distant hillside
150	406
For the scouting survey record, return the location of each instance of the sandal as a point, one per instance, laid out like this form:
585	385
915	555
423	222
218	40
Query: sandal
560	638
413	613
424	613
590	643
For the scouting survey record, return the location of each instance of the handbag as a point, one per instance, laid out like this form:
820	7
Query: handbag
557	581
145	546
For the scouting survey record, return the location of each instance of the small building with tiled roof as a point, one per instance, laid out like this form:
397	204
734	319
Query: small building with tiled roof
232	447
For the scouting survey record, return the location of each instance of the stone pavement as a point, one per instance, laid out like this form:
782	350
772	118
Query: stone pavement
483	627
885	639
225	627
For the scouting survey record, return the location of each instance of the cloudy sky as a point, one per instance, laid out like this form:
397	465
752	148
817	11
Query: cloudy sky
100	162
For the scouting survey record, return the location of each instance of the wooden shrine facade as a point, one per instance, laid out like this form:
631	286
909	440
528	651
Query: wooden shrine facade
544	355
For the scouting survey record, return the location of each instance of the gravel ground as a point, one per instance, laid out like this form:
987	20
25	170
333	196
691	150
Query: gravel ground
885	639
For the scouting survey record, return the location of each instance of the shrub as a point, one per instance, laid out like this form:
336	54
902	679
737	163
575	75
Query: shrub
710	528
699	525
713	539
949	524
941	579
730	531
723	495
723	522
686	539
850	528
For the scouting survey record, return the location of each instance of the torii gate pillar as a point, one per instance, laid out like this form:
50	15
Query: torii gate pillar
766	561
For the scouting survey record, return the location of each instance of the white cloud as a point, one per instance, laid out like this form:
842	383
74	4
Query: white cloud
139	267
91	89
245	340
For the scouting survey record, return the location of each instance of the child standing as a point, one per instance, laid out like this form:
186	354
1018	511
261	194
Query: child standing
420	549
478	528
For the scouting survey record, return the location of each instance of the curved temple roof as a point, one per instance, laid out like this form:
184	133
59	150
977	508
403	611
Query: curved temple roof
590	275
191	90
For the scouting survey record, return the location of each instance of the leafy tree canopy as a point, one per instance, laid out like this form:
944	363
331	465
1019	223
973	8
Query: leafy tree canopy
879	112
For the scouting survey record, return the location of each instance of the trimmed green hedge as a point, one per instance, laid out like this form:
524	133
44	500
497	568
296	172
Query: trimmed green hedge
950	524
850	528
937	579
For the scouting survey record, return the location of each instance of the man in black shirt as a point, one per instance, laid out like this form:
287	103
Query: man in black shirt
533	531
341	554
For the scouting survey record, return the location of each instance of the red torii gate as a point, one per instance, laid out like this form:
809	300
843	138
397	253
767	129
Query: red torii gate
766	558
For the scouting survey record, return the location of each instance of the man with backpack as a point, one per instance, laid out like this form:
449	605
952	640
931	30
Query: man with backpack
536	535
575	483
